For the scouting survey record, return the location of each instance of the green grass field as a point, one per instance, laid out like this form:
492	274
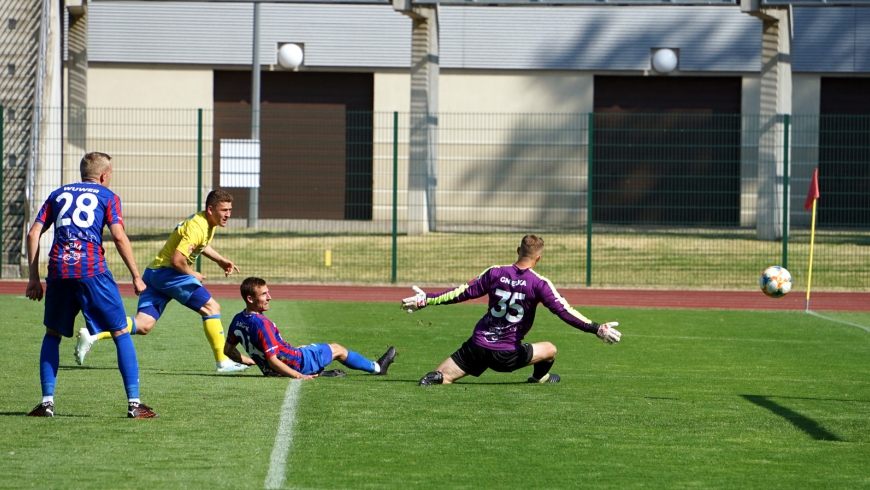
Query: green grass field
688	399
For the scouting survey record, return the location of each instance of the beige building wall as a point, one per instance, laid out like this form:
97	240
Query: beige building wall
392	94
806	106
150	86
484	141
804	144
485	146
514	92
750	134
147	118
513	141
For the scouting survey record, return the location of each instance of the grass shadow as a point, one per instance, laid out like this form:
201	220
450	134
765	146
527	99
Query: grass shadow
806	424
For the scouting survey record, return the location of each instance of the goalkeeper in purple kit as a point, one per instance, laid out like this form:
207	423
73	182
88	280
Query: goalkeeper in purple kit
497	341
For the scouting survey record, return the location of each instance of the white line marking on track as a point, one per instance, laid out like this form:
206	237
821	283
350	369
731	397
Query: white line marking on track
862	327
284	438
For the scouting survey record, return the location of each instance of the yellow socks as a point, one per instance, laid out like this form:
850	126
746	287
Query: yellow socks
108	335
211	325
214	332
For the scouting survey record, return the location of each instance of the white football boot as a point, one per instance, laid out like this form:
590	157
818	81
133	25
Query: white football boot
84	341
230	366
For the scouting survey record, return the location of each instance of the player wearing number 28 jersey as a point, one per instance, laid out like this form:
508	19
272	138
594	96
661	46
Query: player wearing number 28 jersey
514	293
78	279
79	211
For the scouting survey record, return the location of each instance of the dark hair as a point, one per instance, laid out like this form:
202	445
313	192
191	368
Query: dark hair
217	196
249	286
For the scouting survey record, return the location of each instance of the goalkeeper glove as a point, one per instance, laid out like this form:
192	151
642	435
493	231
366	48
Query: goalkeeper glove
608	334
415	302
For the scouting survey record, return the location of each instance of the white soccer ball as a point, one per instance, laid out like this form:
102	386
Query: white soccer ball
290	56
775	281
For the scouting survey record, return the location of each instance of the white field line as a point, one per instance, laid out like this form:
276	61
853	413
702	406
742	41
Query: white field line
862	327
284	438
724	339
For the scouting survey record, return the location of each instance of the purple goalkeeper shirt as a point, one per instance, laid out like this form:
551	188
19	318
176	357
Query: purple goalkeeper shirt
514	295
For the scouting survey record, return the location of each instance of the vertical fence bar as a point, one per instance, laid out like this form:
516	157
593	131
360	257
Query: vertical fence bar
395	189
199	205
785	190
2	196
589	148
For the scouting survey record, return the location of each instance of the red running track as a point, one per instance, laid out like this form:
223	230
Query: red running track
729	300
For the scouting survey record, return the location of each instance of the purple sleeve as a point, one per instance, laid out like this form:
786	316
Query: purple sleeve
475	288
560	307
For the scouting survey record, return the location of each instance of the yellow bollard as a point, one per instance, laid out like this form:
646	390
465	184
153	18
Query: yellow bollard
328	258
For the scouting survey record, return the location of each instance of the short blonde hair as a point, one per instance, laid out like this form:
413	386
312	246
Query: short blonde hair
531	246
94	164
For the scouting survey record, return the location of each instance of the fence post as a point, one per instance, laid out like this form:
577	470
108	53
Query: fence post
2	196
785	190
199	205
395	187
589	148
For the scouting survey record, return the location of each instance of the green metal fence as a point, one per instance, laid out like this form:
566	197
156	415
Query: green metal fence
675	200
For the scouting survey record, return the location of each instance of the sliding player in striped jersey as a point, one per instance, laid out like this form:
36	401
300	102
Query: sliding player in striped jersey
497	341
275	357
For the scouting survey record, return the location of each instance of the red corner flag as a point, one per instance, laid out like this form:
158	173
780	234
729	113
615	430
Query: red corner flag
813	193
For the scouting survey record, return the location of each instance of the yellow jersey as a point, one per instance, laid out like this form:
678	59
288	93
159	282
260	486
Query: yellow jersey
190	237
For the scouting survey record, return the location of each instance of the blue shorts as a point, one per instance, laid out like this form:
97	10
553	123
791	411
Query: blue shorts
315	357
96	297
166	284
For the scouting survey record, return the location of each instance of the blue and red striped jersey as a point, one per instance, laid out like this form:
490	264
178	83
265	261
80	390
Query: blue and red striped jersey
79	212
261	339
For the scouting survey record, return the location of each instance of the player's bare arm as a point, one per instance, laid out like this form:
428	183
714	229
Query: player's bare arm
231	351
285	370
227	265
179	263
34	289
125	250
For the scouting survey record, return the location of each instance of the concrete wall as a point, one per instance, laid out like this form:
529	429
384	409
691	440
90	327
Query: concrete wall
483	145
146	117
806	100
150	86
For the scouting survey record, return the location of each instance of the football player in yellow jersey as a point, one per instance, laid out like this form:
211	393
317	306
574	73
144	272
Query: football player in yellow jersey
170	276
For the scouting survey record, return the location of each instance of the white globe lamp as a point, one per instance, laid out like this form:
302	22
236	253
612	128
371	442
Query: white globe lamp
664	60
290	56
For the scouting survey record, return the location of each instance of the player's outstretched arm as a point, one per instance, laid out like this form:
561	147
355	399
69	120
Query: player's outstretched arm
227	265
285	370
557	304
608	334
125	250
415	302
34	289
